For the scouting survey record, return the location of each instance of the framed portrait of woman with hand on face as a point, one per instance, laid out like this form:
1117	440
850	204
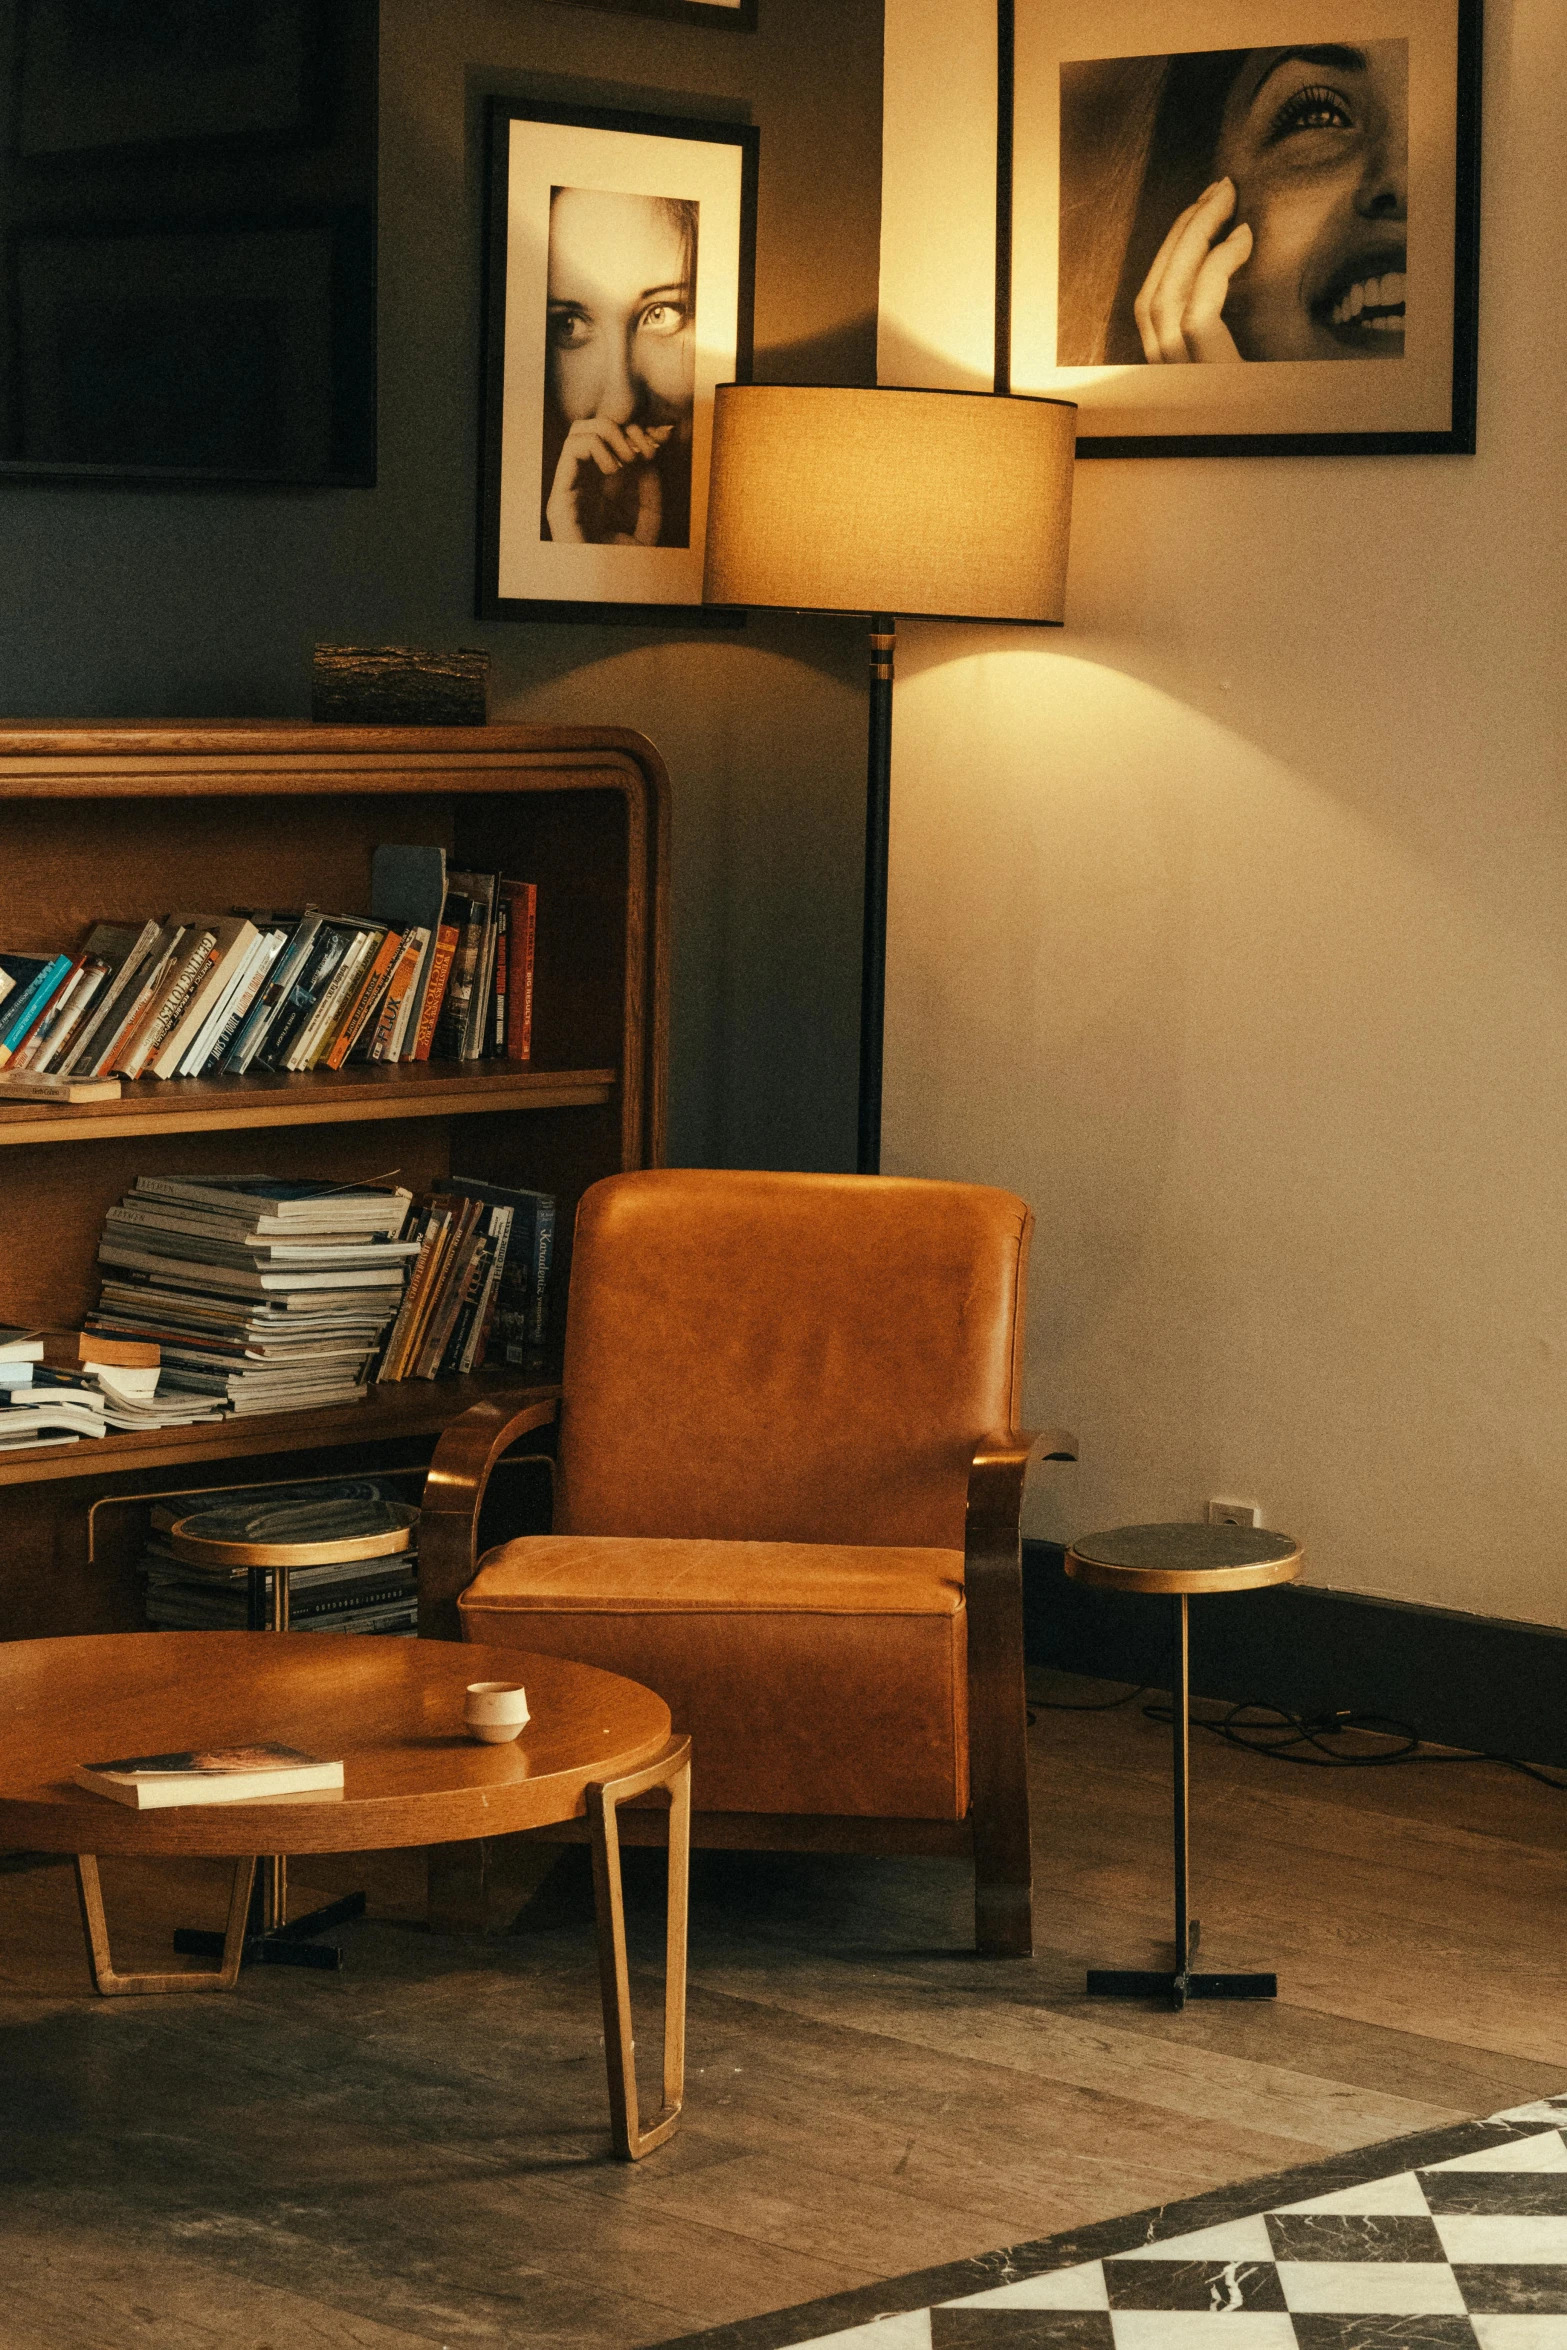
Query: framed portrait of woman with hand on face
620	292
1259	239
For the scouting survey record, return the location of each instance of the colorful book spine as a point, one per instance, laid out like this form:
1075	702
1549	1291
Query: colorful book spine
444	955
371	989
33	1005
522	899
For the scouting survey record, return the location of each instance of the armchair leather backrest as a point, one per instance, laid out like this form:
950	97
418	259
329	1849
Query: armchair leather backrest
787	1358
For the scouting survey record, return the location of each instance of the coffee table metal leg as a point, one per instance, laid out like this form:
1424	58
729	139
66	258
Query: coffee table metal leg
671	1771
95	1926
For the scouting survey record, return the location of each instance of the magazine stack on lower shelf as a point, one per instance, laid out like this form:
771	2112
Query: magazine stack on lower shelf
200	1575
264	1295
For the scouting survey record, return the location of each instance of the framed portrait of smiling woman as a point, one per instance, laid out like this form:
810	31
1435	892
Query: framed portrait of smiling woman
620	274
1247	227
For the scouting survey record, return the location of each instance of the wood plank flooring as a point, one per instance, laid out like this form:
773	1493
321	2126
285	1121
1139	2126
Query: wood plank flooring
415	2153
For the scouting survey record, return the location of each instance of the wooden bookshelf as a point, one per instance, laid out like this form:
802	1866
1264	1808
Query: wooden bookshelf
122	822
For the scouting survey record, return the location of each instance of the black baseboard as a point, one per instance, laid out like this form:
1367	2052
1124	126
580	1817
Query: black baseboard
1471	1681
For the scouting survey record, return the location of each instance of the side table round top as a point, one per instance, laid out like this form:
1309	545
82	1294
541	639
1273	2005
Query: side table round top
390	1710
1189	1558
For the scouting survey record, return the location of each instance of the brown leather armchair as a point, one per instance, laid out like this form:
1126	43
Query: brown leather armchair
788	1498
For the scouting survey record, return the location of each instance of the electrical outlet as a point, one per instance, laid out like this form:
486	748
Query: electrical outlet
1234	1513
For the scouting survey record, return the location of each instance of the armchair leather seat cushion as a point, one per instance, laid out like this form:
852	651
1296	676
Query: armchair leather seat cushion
819	1678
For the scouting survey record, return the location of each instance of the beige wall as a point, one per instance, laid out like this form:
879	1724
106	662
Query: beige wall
1228	925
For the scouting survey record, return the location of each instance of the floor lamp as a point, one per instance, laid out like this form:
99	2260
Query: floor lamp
938	505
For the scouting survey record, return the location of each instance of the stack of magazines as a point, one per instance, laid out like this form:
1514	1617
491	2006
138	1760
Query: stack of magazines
56	1387
376	1591
263	1294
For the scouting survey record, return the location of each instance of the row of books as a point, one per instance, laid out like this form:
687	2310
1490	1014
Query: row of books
263	1294
375	1592
479	1287
441	968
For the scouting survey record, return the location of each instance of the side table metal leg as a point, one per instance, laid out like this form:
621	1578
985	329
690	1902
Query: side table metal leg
1182	1982
672	1771
1187	1930
110	1983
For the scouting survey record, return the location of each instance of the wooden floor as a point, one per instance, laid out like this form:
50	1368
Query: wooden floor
415	2152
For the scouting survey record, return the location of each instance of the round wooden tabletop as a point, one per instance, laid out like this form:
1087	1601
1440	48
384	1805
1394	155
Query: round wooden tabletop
390	1710
1183	1557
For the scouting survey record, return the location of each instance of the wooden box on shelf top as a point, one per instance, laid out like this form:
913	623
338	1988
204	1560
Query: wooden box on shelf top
125	821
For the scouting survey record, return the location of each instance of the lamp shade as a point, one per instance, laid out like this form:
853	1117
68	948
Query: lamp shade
945	505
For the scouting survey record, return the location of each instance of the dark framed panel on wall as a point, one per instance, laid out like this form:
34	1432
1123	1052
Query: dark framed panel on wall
187	266
1245	227
736	16
619	293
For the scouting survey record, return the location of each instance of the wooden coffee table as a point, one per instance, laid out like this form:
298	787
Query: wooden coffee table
392	1710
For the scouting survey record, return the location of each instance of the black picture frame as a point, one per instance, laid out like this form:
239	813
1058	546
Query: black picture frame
523	572
1359	407
712	15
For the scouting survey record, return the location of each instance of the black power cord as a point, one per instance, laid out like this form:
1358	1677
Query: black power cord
1271	1730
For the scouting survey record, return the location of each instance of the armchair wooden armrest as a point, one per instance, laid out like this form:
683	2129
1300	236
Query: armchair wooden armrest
998	1709
454	1493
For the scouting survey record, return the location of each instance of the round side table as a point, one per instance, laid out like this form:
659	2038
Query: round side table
1182	1559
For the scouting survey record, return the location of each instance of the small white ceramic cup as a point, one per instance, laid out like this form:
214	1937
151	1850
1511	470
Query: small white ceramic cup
495	1711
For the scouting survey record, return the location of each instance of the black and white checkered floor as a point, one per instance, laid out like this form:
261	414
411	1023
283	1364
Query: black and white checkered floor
1462	2246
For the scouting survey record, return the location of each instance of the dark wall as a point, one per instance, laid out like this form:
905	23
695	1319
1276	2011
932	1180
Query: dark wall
200	603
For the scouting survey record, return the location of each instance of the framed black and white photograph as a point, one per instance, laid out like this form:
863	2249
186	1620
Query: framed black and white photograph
621	270
1248	226
737	16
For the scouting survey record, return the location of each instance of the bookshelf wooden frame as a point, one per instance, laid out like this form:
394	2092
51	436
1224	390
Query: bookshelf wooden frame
104	821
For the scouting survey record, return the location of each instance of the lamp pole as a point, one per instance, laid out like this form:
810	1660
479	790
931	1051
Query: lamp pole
873	939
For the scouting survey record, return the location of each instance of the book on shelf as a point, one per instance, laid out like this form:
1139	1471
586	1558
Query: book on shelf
125	947
447	939
27	1087
521	899
366	999
384	1041
213	1774
36	977
298	935
475	1043
520	1312
70	1350
130	994
480	1284
173	982
228	942
495	1033
105	945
